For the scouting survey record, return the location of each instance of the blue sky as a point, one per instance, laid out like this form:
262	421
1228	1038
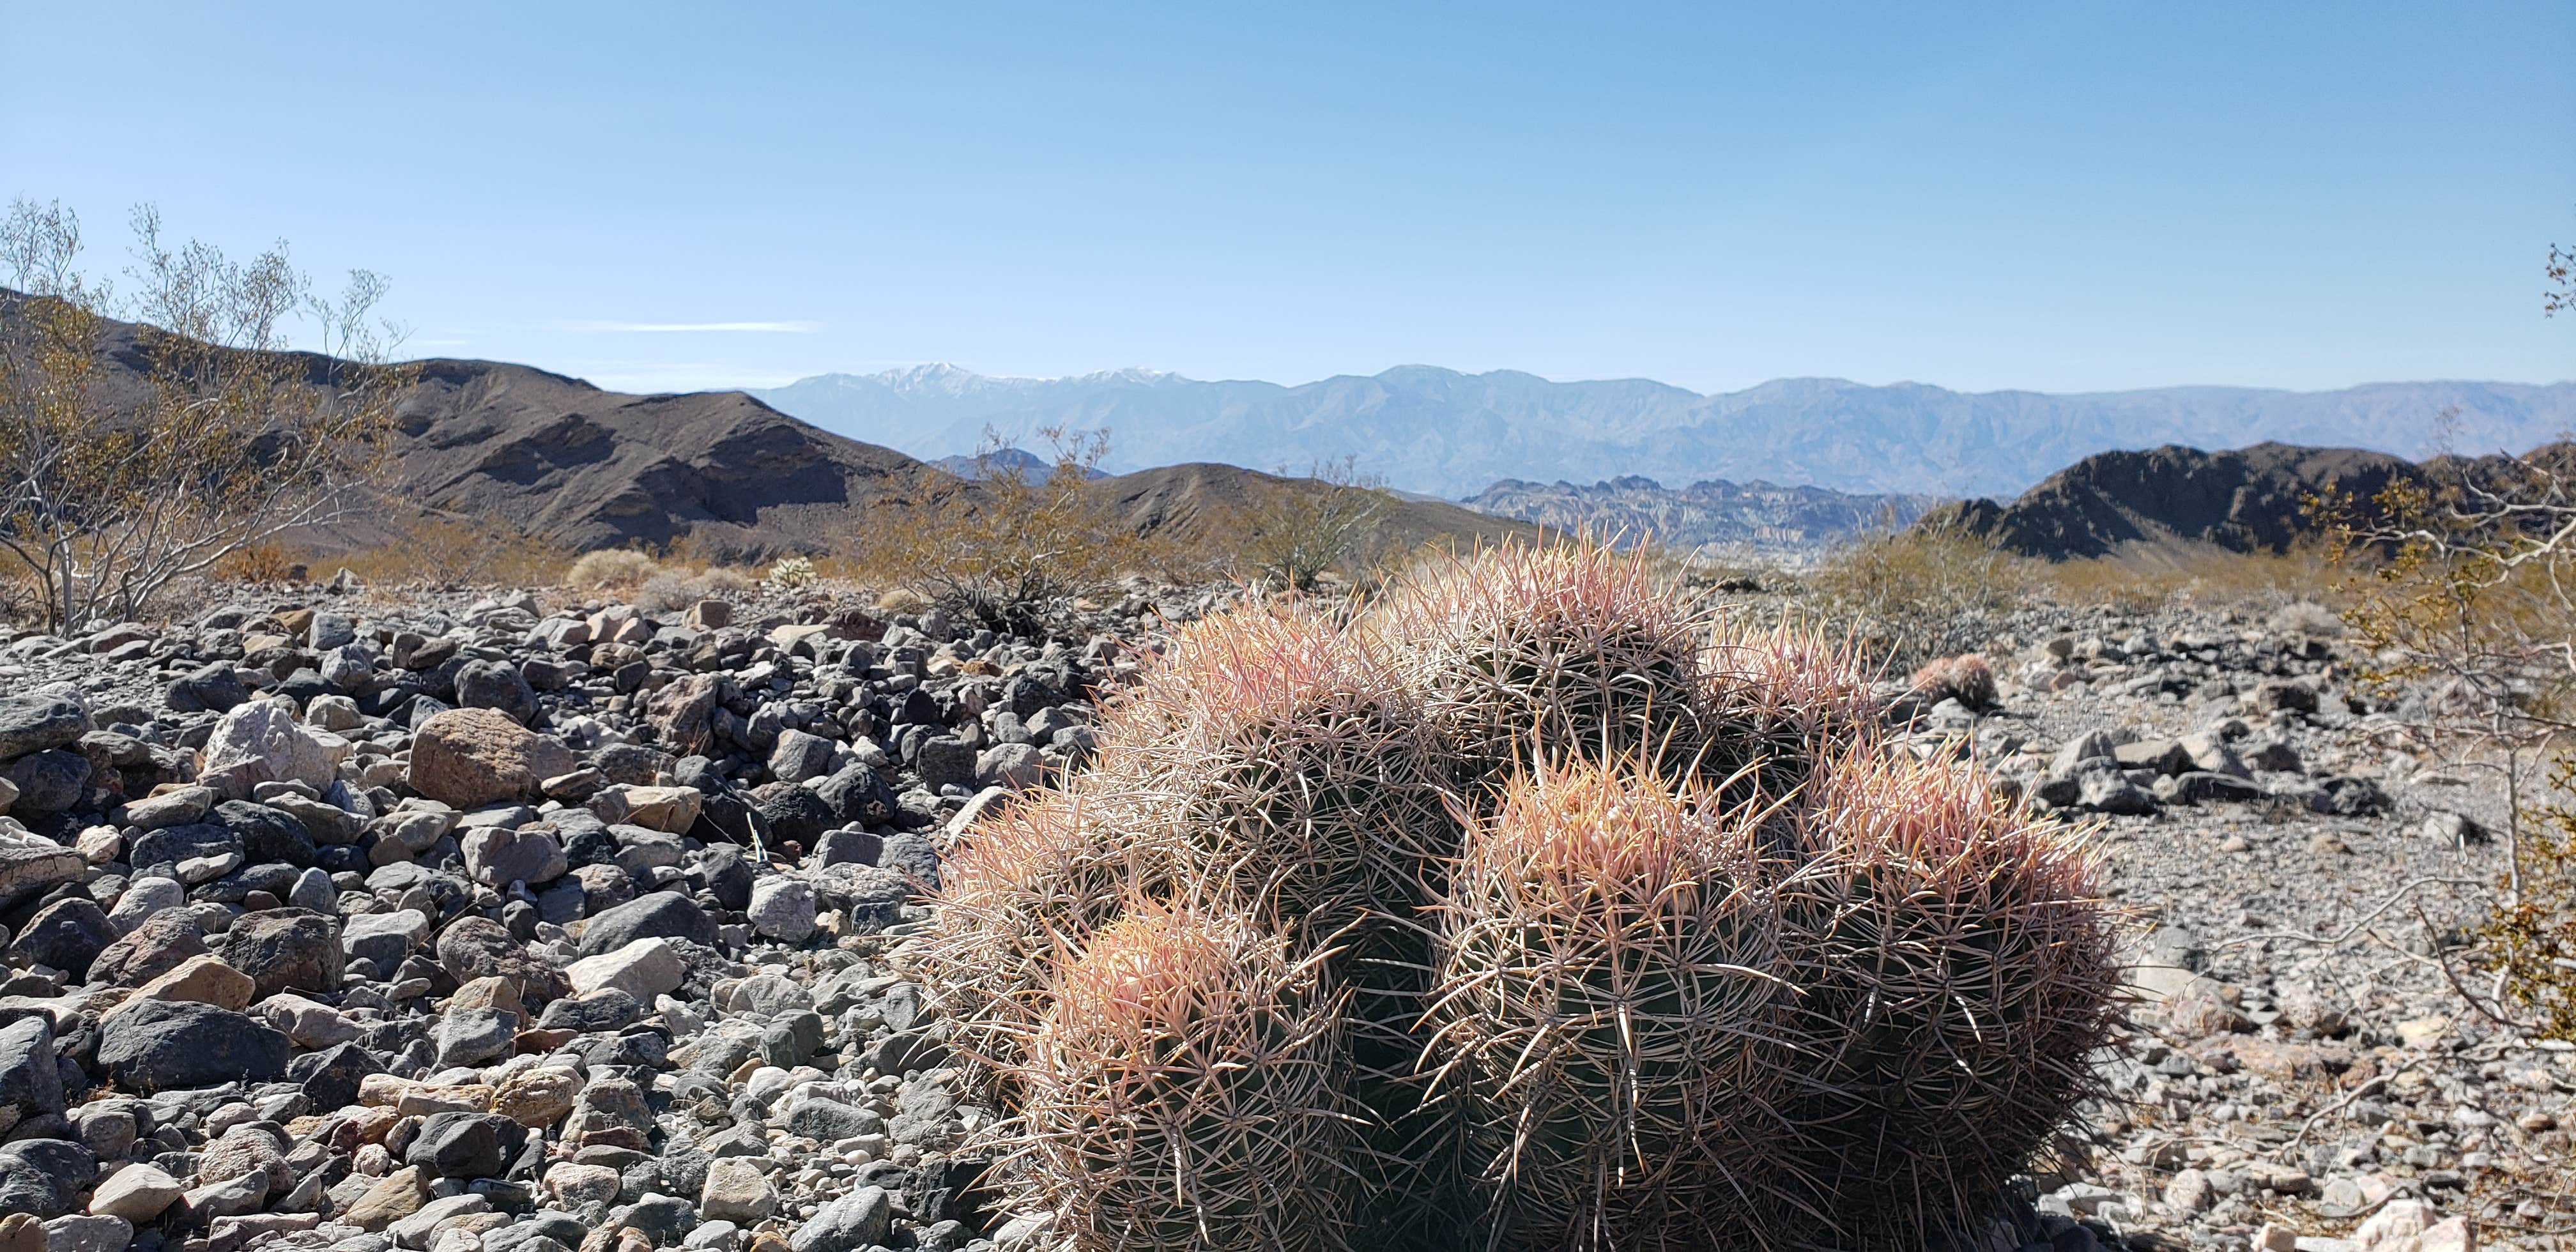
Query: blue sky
2059	197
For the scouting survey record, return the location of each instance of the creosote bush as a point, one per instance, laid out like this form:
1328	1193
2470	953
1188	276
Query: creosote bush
1537	907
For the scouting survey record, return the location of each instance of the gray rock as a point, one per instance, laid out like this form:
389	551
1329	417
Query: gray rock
653	915
2091	745
161	1045
215	687
2348	796
858	793
44	1177
39	720
80	1232
31	866
496	685
465	1145
782	908
854	1221
475	1036
47	782
285	949
67	935
30	1081
800	756
945	761
912	856
2202	786
497	857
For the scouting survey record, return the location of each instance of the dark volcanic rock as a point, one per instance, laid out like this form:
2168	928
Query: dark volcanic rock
653	915
159	1045
67	935
285	950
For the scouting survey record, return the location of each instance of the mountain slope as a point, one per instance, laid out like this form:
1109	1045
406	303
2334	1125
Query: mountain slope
2252	500
1435	430
1189	502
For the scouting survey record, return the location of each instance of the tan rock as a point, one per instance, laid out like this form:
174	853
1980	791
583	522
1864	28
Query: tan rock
472	757
537	1098
575	1184
672	809
396	1195
489	992
202	979
137	1193
736	1191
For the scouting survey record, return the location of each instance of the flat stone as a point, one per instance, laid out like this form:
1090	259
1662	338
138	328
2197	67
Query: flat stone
138	1193
736	1191
643	969
159	1045
201	980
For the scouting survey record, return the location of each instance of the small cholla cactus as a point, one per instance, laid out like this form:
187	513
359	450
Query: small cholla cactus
793	572
1967	679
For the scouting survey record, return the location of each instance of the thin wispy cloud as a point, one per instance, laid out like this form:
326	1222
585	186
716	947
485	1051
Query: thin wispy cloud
691	328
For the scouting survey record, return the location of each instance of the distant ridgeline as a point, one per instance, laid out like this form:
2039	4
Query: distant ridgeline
1704	515
2246	500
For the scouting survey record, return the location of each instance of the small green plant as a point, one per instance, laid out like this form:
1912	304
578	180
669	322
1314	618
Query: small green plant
793	572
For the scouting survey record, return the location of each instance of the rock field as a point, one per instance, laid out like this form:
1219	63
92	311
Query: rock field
473	923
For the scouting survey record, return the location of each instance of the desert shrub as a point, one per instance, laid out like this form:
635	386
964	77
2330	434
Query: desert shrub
1289	532
2144	578
1919	593
902	600
722	582
2464	585
1010	549
793	572
611	569
1600	995
464	550
114	489
268	562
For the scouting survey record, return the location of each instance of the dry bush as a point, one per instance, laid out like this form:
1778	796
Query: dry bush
2144	578
110	492
902	600
1919	593
1012	549
2464	597
268	562
461	551
611	569
670	590
1290	532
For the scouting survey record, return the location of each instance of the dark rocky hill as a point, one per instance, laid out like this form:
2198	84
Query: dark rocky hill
2245	500
1189	501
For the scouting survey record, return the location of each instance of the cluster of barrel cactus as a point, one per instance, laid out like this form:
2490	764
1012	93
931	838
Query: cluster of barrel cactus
1534	905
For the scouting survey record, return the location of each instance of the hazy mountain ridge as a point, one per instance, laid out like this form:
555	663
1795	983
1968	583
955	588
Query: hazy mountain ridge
1757	515
1441	431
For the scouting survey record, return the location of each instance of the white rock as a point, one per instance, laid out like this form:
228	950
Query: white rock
137	1193
782	908
260	742
643	969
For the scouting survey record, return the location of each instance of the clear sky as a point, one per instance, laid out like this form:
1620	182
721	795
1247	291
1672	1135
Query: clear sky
2061	196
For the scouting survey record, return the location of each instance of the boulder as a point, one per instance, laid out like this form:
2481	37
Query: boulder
38	720
31	1083
162	1045
259	742
468	758
67	935
653	915
496	857
643	969
285	949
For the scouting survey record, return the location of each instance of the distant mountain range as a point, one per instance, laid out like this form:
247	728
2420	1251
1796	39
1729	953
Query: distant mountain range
1755	518
1433	430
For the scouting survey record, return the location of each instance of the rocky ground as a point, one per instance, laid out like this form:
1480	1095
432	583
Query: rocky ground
546	925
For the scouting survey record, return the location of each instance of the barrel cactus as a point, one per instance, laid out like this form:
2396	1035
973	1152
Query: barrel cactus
1185	1092
1535	907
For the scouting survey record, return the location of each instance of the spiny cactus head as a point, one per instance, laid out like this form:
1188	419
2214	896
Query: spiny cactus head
1526	656
1040	875
1966	678
1956	974
1610	1001
1183	1093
